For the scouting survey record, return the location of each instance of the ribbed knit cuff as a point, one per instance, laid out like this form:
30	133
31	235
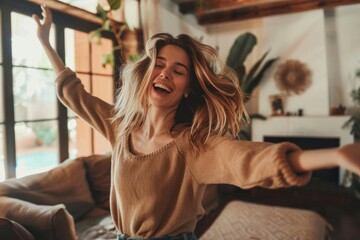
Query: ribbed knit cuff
287	175
64	74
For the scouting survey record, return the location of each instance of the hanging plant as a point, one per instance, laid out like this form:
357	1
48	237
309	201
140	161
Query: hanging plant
118	30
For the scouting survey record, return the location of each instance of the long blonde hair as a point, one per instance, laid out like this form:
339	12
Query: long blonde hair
214	105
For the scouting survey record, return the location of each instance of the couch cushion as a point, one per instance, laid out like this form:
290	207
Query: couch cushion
65	184
101	227
11	230
44	222
242	220
98	171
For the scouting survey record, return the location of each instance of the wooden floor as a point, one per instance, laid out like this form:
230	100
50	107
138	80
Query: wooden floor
337	205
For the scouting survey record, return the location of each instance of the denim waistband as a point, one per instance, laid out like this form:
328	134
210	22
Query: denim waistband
182	236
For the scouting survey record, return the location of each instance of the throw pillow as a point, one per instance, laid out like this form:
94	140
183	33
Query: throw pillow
10	230
65	184
98	171
44	222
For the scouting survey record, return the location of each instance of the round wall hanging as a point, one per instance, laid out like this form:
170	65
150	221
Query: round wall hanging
293	77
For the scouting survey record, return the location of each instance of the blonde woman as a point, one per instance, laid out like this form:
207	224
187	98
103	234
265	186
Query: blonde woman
171	132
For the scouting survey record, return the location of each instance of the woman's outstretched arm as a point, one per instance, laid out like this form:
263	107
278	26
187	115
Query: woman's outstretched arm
347	156
43	32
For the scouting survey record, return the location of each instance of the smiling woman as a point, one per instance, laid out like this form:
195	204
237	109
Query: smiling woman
172	132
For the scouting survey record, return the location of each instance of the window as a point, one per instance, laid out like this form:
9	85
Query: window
85	59
36	130
35	104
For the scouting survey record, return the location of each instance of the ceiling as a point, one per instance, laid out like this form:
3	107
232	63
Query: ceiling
219	11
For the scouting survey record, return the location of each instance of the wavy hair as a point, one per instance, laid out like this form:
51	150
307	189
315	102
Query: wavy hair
214	105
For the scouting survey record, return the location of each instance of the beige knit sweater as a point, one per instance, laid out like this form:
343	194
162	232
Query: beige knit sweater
160	193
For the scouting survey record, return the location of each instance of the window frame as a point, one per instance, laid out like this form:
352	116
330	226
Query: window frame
61	22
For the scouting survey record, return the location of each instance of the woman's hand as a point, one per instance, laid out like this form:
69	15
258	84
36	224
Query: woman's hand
44	25
349	157
43	32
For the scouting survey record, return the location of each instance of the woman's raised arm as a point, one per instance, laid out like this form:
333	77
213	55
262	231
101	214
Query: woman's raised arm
347	156
43	32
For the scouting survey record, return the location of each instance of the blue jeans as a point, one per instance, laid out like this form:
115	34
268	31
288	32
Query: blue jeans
182	236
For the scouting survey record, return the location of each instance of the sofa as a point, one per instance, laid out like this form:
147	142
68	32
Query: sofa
71	202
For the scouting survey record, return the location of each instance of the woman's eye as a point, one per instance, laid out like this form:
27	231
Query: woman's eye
179	72
158	66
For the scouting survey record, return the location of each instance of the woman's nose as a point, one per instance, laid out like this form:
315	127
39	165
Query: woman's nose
165	75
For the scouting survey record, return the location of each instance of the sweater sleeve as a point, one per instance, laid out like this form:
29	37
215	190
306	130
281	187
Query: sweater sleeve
96	112
246	164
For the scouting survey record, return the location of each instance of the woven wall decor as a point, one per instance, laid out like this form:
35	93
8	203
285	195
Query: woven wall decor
293	77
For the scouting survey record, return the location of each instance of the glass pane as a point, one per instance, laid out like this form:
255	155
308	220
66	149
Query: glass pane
1	95
77	50
36	147
26	48
85	80
2	163
97	54
34	94
70	48
101	145
103	88
80	137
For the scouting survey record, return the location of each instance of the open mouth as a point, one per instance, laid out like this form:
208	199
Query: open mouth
159	87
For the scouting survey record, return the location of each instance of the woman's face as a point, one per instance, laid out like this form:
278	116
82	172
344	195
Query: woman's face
170	78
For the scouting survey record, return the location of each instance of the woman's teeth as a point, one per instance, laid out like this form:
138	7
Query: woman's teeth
162	87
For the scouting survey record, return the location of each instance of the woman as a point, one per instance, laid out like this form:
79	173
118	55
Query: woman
171	132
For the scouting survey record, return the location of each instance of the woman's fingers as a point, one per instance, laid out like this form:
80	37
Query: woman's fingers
43	24
350	155
37	20
47	14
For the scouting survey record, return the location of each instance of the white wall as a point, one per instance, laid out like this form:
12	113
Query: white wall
300	36
348	35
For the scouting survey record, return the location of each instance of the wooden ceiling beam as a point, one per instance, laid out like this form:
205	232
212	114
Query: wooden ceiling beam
70	10
227	11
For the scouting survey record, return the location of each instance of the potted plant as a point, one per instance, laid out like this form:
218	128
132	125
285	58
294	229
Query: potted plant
354	125
239	51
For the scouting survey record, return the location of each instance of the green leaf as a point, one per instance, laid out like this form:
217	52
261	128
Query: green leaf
241	48
355	95
256	66
257	116
95	36
134	57
357	73
101	12
251	84
108	59
114	4
106	25
240	73
243	135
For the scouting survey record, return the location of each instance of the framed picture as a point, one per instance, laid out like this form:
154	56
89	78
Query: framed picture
277	103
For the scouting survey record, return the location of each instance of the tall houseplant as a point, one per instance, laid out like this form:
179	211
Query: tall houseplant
354	125
239	51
